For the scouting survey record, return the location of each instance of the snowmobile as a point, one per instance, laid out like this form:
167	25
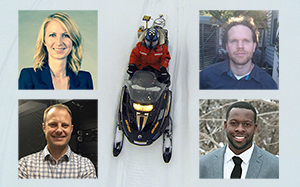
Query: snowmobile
144	113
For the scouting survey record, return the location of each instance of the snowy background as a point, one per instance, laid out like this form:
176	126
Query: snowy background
118	21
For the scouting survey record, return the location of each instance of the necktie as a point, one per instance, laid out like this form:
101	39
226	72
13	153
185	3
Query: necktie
237	170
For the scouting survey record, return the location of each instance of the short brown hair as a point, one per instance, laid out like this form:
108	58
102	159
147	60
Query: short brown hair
241	20
60	106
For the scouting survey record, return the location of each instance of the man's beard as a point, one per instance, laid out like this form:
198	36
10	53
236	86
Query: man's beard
240	61
242	147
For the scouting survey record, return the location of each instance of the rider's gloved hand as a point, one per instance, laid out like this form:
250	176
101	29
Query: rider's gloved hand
131	69
164	75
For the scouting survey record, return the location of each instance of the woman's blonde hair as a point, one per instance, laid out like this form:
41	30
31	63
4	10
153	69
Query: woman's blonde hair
75	56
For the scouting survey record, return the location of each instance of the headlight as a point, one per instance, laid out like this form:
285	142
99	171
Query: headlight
142	108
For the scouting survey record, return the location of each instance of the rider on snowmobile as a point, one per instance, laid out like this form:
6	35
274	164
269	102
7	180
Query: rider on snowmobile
151	53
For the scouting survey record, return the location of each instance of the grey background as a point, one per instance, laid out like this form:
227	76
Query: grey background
30	22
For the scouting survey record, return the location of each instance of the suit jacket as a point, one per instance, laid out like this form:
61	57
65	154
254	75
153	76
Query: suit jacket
41	79
262	164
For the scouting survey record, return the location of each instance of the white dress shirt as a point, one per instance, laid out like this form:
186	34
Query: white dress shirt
229	164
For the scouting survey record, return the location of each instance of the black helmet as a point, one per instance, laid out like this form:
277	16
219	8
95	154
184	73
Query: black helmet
151	39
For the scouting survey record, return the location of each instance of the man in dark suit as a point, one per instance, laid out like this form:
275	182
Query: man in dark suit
240	158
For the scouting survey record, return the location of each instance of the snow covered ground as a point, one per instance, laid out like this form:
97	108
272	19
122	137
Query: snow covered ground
144	165
118	22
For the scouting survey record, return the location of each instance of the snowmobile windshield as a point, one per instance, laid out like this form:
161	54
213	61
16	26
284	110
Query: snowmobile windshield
144	88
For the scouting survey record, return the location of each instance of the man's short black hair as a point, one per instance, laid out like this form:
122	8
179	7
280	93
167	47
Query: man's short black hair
242	104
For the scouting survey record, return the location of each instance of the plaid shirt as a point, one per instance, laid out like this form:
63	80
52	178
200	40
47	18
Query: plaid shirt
42	165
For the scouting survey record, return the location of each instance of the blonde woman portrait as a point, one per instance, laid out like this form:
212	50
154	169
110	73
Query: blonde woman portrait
58	56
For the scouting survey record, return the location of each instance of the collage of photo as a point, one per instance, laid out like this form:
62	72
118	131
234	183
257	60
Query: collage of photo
148	93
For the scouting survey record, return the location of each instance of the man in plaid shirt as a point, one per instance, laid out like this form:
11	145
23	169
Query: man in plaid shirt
56	160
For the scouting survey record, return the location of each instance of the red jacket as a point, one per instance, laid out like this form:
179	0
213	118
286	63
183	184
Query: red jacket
142	56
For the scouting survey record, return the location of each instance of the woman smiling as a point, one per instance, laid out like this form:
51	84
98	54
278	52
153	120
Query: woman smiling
57	58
